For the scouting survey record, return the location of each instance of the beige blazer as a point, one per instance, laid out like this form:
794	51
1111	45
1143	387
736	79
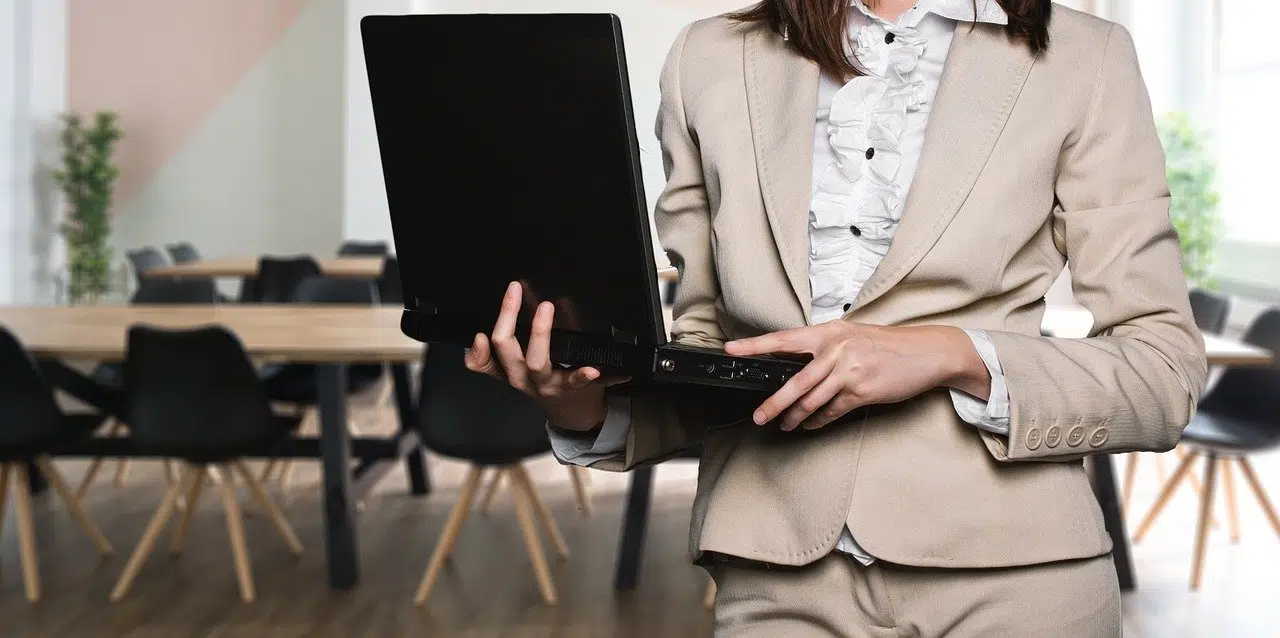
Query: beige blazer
1028	163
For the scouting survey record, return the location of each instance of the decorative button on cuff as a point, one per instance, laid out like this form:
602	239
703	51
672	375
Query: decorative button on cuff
871	152
857	232
1099	437
1033	439
847	307
1052	436
1075	437
889	38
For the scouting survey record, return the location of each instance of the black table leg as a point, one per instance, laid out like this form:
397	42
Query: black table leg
634	526
415	462
1104	486
335	454
35	481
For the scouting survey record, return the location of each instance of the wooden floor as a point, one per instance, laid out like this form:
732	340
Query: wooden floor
489	588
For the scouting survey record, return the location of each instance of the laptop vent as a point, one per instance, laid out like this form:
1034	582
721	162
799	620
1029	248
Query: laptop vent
597	356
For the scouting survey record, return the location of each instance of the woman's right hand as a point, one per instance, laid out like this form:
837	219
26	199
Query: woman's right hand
573	399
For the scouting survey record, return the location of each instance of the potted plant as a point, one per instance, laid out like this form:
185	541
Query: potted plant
87	179
1192	173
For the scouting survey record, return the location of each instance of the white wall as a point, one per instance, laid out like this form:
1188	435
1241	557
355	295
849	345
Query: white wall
649	28
32	95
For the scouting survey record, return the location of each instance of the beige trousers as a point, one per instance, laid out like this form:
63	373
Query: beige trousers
839	597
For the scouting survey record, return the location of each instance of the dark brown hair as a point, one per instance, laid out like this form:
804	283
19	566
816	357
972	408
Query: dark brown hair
816	29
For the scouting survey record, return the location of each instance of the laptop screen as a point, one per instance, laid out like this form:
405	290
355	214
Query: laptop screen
509	153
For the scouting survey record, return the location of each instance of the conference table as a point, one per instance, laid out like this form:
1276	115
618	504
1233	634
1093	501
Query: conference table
1059	321
329	337
362	267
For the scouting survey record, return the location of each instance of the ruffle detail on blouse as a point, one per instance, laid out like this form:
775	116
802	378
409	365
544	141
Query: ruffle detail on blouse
857	203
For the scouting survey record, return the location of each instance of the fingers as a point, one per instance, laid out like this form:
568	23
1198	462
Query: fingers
839	406
581	378
814	401
479	358
799	385
538	357
804	340
509	354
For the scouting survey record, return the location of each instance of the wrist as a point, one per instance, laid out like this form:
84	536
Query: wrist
586	416
962	367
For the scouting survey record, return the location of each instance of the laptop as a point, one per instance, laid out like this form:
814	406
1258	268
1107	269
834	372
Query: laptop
509	153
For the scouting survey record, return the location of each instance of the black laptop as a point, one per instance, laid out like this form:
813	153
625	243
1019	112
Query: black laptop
509	153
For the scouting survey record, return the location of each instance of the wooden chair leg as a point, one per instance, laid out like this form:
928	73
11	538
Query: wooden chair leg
449	535
1160	471
1166	493
492	489
194	488
4	493
578	475
26	531
170	477
1130	476
267	469
1229	483
544	513
235	531
524	512
122	472
709	598
158	522
74	507
1202	529
90	474
264	501
286	475
1247	470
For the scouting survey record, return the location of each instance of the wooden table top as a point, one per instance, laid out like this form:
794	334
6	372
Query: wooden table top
310	334
345	267
1074	321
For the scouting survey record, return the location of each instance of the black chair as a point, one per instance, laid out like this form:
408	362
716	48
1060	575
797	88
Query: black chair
111	375
31	426
144	260
363	249
1241	416
195	395
182	252
278	277
390	291
484	422
296	383
1210	311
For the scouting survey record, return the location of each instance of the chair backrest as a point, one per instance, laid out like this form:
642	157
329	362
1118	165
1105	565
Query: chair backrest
321	290
183	252
195	393
1210	310
278	277
389	286
363	249
145	259
176	291
29	414
1252	393
475	417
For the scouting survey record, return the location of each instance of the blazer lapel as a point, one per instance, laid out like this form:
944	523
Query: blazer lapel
983	77
782	96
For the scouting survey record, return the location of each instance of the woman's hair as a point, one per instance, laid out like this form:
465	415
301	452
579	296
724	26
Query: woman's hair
816	29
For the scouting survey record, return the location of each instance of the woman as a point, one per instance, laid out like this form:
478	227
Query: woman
891	187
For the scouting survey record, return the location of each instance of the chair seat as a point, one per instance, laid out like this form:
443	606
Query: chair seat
293	383
110	375
1227	433
197	449
71	427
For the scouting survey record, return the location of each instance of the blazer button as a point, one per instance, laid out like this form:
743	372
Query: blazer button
889	38
1033	439
871	152
1099	437
1052	437
1075	436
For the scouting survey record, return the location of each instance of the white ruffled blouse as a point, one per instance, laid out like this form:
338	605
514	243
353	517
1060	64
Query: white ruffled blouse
868	137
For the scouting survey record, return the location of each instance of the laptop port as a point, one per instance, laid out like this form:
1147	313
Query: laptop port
754	374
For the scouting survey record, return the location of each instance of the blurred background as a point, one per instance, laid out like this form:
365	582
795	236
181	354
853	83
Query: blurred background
229	144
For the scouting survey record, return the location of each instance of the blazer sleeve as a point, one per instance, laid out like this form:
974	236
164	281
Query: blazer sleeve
666	420
1133	384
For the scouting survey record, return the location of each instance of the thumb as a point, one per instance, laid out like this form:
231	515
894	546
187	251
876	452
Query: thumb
479	358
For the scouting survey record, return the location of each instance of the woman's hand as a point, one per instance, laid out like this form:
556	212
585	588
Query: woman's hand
859	364
574	399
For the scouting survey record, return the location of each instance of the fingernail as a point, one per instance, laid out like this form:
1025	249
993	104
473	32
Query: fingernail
591	375
758	417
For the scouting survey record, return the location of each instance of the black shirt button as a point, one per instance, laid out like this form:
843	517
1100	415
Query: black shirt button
889	38
847	307
857	232
871	152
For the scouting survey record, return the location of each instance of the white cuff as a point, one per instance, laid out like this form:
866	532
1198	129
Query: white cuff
991	415
609	442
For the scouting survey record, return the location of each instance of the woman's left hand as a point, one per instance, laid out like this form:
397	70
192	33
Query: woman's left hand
860	364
